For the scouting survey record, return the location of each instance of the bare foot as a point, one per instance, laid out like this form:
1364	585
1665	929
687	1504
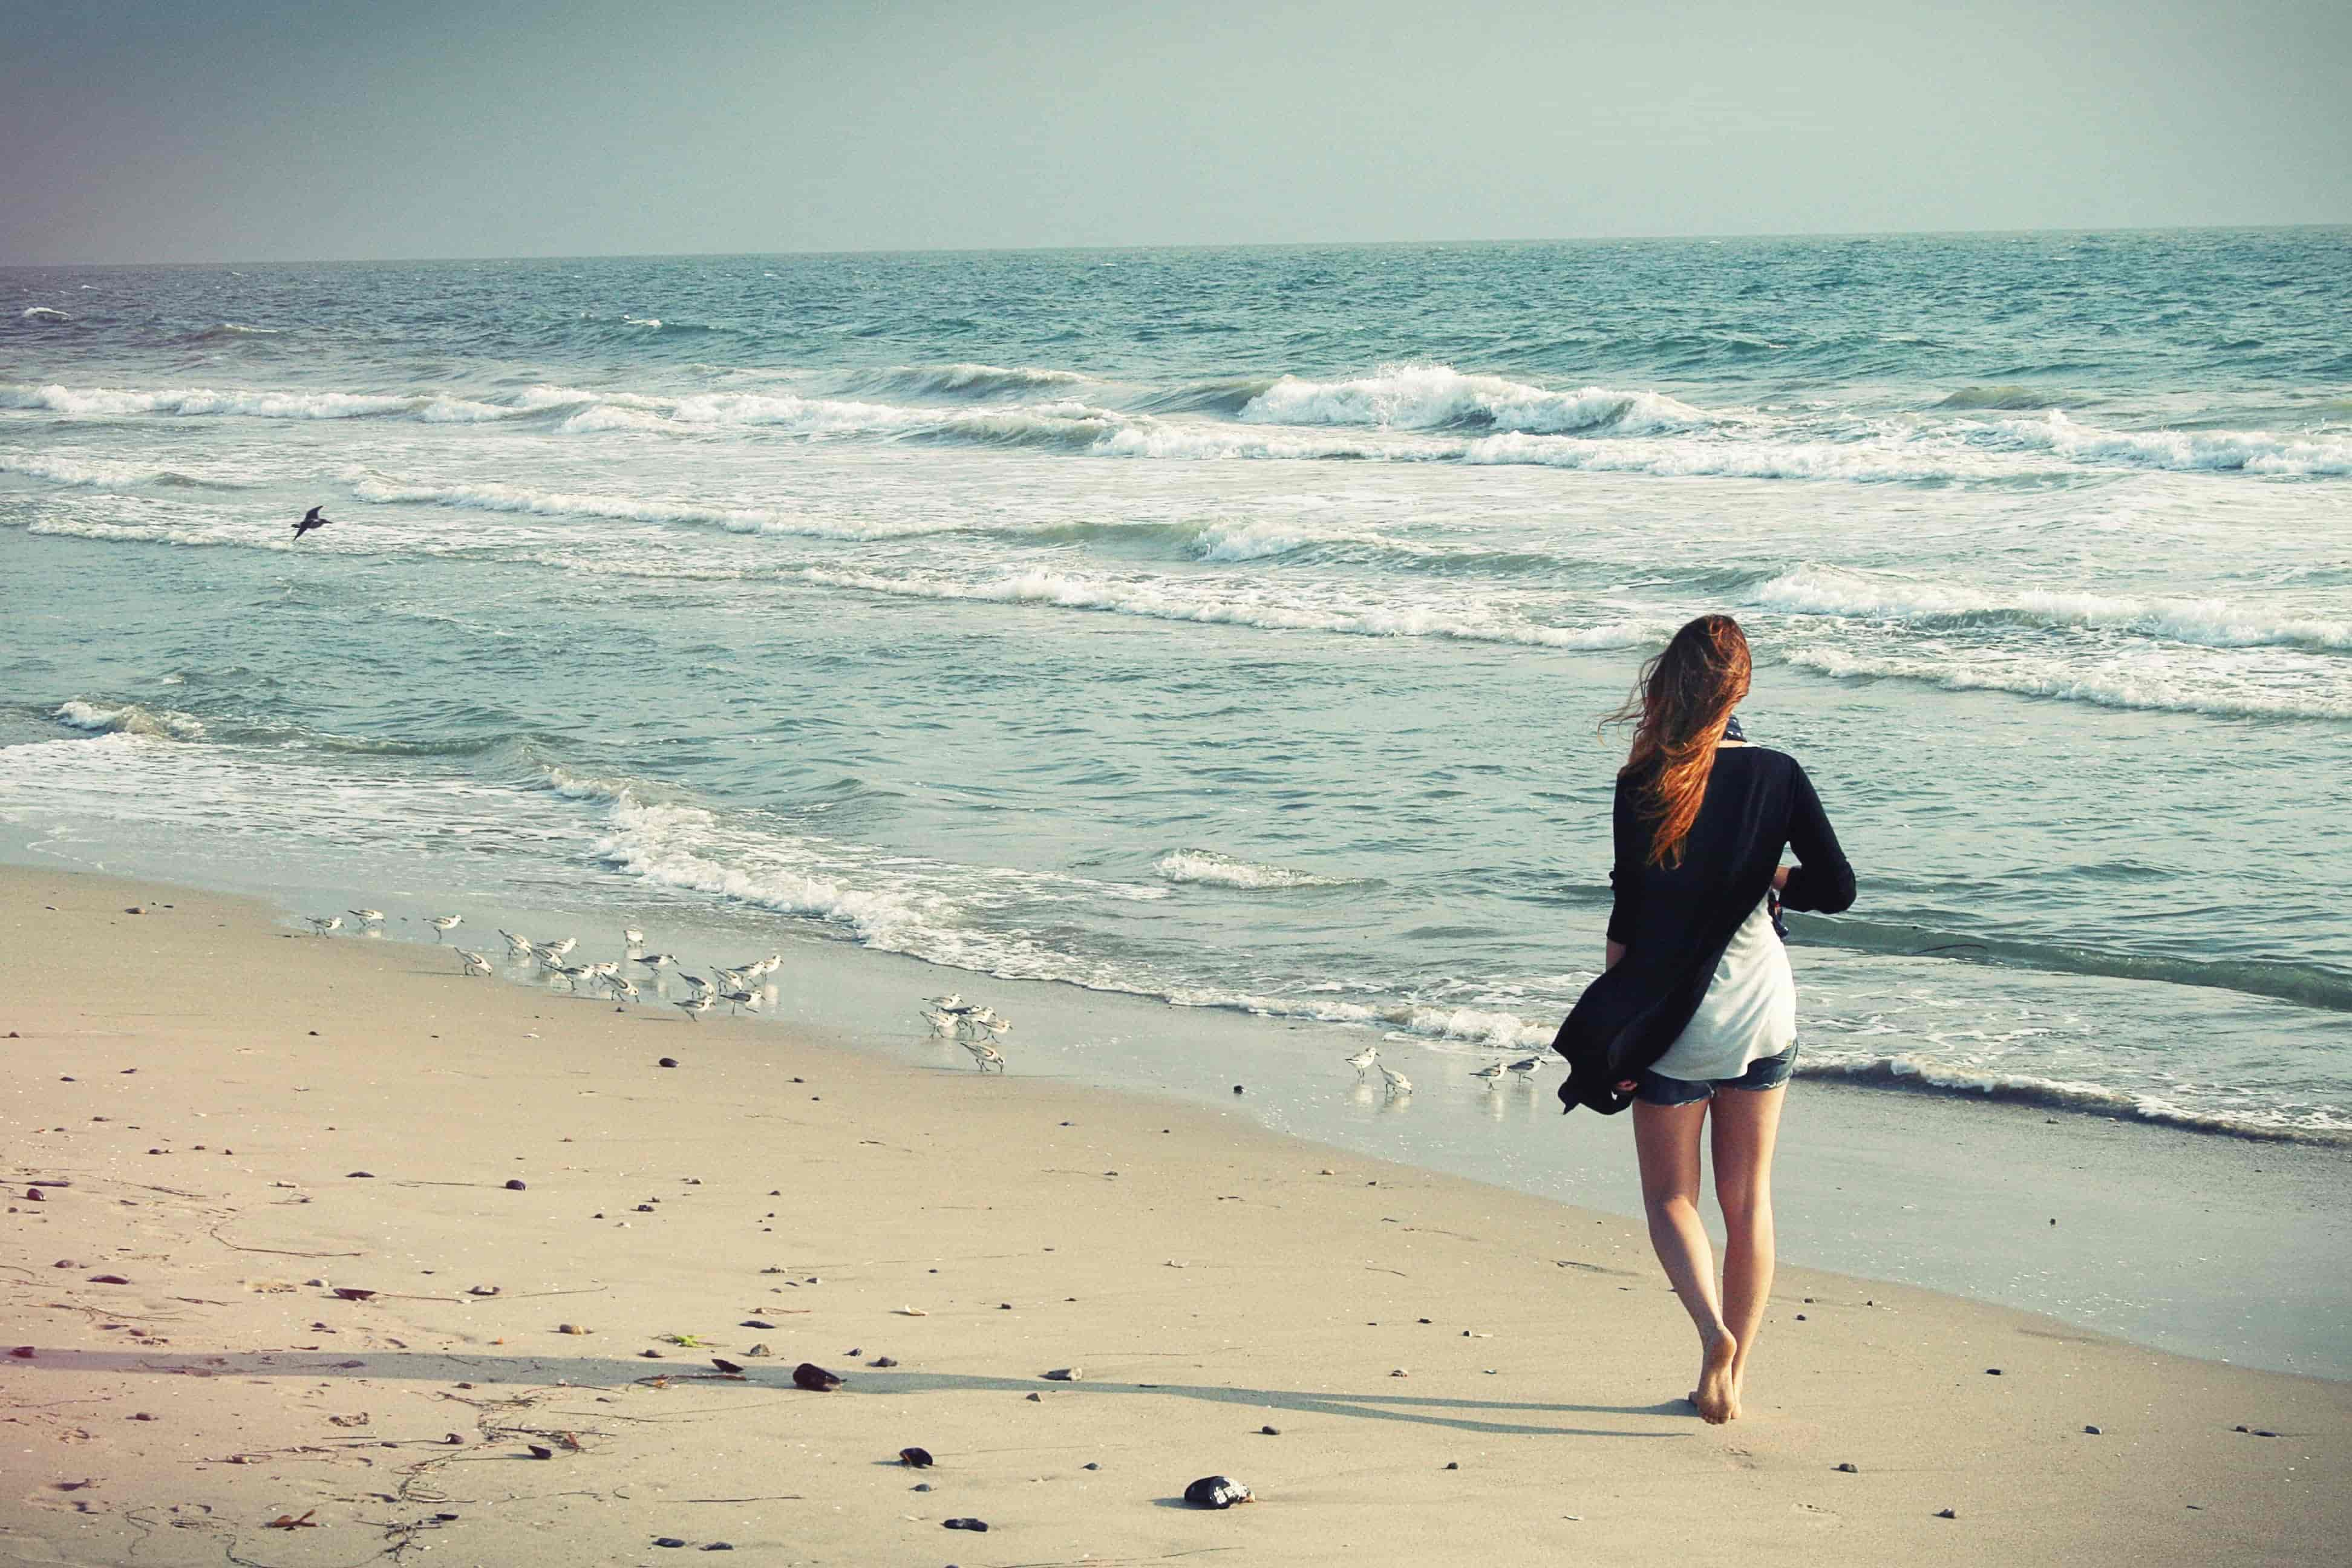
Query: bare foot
1716	1399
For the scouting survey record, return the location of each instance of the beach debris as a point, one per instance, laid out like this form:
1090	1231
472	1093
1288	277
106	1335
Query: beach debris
719	1546
814	1378
288	1522
22	1353
482	1290
358	1175
667	1062
542	1451
1947	1513
669	1541
514	1185
910	1311
723	1364
353	1293
884	1360
1399	1371
920	1487
1217	1492
1237	1089
570	1329
1066	1374
1848	1469
1269	1431
690	1342
2092	1432
1992	1371
761	1350
118	1279
359	1420
1090	1464
755	1323
1036	1399
979	1524
36	1194
916	1458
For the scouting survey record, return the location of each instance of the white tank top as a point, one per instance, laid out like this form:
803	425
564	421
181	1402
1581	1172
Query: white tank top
1749	1011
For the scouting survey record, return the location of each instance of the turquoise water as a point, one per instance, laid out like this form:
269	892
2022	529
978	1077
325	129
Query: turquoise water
1229	626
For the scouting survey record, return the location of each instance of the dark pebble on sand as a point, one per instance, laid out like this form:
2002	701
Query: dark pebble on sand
1848	1469
1090	1467
1947	1513
756	1323
540	1452
814	1378
118	1279
668	1062
358	1175
36	1195
1237	1089
918	1459
920	1487
884	1360
2091	1431
515	1186
979	1524
1453	1464
1801	1317
1269	1432
670	1540
1992	1371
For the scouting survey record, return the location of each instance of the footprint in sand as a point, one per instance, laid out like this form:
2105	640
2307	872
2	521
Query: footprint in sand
1820	1517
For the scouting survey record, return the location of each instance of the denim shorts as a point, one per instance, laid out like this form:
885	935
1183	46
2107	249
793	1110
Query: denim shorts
1771	1072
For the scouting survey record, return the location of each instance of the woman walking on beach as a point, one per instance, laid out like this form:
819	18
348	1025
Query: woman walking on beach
1695	1017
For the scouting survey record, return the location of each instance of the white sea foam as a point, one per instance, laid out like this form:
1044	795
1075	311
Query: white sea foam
42	313
88	473
129	718
105	402
2242	452
490	495
2214	623
1693	458
1214	869
1430	397
2141	686
1171	600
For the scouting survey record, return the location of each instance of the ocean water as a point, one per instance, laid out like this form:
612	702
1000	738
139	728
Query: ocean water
1231	627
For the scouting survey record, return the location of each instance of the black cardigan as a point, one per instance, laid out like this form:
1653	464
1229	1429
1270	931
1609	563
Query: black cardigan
1675	922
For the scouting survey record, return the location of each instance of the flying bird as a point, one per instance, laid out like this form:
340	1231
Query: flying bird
311	519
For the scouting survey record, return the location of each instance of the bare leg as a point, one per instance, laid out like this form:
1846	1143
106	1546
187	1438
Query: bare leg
1747	1127
1667	1139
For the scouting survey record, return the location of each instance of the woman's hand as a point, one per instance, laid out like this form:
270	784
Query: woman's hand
1780	879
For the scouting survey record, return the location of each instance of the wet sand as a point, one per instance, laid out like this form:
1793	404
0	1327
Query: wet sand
209	1085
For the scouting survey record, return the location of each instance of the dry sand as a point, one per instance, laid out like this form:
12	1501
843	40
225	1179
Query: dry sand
208	1087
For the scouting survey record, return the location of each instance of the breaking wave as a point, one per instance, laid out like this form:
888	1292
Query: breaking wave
973	381
1919	1075
2146	688
129	718
1997	396
1173	600
1211	868
88	473
103	402
1434	398
42	313
2214	623
2228	451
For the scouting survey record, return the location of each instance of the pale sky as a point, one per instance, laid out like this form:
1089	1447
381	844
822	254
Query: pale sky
297	130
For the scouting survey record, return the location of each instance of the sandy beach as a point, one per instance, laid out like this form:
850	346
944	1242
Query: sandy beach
338	1256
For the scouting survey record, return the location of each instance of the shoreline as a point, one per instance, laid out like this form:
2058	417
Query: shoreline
2115	1224
1207	1276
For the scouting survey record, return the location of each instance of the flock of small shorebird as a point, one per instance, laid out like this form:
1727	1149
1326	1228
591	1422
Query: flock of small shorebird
974	1026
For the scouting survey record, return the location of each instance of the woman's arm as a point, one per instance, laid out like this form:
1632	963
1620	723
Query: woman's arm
1625	872
1822	878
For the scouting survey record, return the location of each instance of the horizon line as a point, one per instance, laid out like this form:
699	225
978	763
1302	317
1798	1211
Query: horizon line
1718	238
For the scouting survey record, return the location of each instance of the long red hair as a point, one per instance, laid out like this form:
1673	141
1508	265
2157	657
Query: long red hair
1679	709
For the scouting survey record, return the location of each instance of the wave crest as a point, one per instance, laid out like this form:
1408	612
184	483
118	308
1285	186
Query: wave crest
1435	397
1214	869
129	718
